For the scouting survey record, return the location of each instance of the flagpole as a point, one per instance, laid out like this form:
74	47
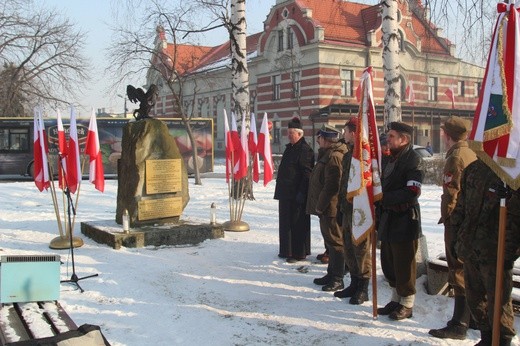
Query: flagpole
499	280
55	199
373	273
78	191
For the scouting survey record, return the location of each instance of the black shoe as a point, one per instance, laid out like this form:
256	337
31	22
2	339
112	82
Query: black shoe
388	308
359	297
333	286
350	290
401	313
323	281
451	331
283	256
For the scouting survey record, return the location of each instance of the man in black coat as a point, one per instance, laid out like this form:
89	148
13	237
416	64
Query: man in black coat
400	220
292	184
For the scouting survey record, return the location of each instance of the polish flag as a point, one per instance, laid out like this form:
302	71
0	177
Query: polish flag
62	150
93	149
410	94
244	155
264	148
229	148
41	166
451	95
238	169
253	148
73	161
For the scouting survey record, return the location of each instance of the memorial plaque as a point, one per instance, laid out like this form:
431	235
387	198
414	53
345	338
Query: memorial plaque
163	176
149	209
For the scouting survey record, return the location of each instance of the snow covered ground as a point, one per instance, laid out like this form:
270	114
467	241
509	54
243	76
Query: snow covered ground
230	291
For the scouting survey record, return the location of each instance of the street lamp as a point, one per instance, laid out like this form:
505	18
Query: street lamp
125	109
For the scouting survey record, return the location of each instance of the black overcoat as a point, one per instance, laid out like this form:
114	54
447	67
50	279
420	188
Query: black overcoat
294	171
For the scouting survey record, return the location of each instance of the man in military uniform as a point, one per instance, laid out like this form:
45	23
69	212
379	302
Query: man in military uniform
357	257
322	201
475	222
458	157
400	221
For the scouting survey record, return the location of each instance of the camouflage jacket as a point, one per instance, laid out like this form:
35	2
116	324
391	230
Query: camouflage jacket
476	216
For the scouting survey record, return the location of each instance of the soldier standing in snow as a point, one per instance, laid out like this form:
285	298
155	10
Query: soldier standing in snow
400	221
458	157
475	222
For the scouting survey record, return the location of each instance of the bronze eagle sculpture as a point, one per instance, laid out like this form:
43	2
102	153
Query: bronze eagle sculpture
146	100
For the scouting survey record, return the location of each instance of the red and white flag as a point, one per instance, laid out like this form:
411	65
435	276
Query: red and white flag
253	148
62	150
244	154
495	135
410	94
238	170
73	160
264	148
451	95
41	166
93	150
230	149
364	185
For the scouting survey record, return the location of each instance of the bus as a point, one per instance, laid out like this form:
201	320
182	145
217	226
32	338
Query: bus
17	137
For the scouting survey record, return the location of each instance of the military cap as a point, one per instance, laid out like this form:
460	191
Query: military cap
352	123
329	132
401	127
455	127
295	123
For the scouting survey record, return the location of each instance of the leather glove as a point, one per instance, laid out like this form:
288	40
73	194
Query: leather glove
501	191
300	198
508	264
339	218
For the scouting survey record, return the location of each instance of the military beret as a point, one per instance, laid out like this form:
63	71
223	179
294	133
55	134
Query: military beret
352	123
455	127
295	123
329	132
401	127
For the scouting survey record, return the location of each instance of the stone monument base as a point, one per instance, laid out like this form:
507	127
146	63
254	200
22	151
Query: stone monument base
110	233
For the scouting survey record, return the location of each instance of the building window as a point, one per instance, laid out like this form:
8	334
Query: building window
346	82
432	88
290	38
276	87
296	84
280	40
400	37
426	133
478	86
461	88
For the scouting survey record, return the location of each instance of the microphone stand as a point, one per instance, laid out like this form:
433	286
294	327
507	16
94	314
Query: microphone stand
70	207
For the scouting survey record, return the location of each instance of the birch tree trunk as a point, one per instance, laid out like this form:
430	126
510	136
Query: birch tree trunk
389	27
240	82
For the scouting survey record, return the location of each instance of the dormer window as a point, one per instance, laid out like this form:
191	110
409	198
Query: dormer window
280	40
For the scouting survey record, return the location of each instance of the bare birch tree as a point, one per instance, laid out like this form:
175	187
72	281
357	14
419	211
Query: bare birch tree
41	57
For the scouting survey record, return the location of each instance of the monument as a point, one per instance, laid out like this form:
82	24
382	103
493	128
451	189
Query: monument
152	189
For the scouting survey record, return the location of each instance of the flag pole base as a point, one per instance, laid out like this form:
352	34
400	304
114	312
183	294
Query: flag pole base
235	226
64	243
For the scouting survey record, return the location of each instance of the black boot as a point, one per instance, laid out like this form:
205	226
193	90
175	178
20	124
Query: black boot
350	290
332	286
361	294
486	338
457	327
505	341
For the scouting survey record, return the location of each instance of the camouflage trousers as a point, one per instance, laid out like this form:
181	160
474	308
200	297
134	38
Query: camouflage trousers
455	265
480	295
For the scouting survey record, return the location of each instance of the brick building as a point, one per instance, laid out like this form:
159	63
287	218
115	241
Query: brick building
308	61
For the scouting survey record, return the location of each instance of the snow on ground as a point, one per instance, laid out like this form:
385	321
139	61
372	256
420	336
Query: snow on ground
230	291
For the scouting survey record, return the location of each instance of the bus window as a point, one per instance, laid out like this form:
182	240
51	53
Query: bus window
14	139
4	139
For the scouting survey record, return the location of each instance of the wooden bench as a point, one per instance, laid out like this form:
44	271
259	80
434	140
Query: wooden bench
30	321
